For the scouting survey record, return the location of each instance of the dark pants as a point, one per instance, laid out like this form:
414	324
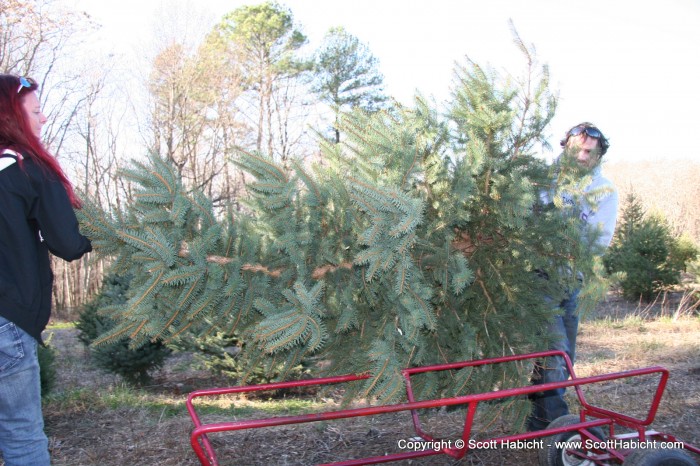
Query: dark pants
549	405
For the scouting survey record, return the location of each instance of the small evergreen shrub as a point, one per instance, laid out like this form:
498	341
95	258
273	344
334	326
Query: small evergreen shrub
47	367
684	252
219	353
694	271
133	365
645	254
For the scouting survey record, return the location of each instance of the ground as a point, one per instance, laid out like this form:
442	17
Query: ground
93	419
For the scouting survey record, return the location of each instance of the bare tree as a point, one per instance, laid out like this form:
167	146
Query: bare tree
38	38
194	116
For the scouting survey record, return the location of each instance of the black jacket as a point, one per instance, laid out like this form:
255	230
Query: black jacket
36	217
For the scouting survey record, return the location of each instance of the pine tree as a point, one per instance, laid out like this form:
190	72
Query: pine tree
420	239
631	218
645	254
346	75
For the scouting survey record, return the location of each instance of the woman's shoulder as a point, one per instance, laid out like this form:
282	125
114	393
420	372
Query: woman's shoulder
30	166
8	158
6	162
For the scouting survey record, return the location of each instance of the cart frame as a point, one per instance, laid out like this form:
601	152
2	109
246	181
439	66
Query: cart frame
590	416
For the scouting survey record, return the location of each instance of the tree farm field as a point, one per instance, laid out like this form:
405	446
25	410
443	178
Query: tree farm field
93	418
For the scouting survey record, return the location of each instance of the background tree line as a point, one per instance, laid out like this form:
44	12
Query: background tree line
248	82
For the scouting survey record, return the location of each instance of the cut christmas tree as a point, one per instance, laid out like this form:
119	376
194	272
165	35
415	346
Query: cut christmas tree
420	238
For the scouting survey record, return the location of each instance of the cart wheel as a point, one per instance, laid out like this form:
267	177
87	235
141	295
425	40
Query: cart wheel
550	455
659	457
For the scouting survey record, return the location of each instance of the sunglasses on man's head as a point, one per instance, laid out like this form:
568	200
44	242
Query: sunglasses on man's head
24	82
590	131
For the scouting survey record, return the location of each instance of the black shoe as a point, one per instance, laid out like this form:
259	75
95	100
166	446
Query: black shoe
534	424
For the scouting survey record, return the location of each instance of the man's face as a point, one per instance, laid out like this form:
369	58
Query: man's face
584	149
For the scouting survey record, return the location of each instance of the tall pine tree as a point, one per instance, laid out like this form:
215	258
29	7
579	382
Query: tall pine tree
346	75
420	239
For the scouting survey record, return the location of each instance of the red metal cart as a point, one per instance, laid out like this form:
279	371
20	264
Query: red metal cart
571	440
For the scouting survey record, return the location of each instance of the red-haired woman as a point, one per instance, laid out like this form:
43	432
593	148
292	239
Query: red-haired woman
36	217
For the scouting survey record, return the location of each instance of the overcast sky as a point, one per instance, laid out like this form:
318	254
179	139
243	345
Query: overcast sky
630	66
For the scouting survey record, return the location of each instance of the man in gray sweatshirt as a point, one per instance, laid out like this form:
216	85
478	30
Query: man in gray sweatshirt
586	144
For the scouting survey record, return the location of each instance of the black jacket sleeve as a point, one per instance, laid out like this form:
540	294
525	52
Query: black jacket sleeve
52	211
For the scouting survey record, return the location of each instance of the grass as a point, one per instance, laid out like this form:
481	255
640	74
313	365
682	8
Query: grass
634	322
236	406
124	397
642	337
117	398
60	325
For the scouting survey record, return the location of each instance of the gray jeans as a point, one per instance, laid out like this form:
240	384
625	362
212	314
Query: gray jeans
22	438
549	405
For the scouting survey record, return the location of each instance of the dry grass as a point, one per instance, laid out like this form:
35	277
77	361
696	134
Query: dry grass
668	188
647	336
93	420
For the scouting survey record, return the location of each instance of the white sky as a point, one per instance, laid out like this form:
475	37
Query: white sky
632	67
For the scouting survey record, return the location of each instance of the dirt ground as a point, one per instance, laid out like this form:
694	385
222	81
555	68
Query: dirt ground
86	430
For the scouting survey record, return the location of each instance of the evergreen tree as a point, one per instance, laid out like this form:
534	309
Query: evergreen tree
347	75
263	42
419	240
645	253
631	218
135	365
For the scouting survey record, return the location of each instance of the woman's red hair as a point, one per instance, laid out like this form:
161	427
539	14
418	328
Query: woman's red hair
16	133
